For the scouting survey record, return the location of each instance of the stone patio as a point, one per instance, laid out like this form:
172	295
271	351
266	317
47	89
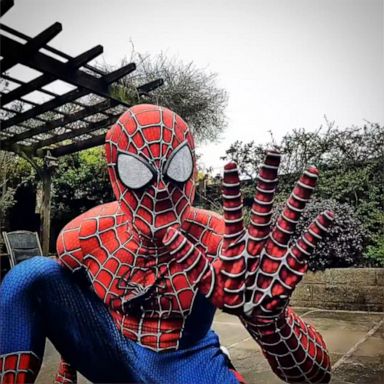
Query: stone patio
355	340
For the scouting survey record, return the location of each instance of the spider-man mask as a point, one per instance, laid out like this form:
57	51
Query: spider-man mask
151	163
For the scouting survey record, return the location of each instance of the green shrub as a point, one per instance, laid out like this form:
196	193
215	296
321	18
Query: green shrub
374	254
343	245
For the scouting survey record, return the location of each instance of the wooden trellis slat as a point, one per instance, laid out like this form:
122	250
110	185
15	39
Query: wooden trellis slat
48	78
61	122
5	5
148	87
45	107
61	100
87	111
15	56
78	146
76	132
17	113
48	48
47	64
46	91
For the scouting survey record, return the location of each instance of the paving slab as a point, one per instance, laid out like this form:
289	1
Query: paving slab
49	367
355	341
341	331
365	363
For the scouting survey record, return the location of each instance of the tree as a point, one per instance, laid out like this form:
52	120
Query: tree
189	91
328	147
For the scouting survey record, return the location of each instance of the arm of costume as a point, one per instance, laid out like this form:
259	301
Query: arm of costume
257	270
68	245
295	351
70	257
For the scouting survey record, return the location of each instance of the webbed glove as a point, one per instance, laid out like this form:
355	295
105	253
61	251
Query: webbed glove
257	268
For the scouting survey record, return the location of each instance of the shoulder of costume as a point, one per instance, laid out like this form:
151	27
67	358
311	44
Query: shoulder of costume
98	221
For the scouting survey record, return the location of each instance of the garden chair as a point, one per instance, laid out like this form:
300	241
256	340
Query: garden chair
21	245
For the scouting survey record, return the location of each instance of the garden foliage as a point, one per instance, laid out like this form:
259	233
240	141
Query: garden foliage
351	164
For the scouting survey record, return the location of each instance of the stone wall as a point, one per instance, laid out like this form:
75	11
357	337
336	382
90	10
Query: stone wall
359	289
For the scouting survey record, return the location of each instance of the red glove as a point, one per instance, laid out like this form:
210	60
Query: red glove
256	269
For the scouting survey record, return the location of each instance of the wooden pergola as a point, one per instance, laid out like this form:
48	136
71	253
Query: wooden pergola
66	123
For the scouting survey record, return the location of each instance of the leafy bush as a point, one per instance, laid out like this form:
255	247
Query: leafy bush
374	254
80	183
343	245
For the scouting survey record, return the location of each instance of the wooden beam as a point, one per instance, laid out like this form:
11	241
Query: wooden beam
66	98
21	51
16	113
45	79
145	88
46	210
74	133
5	6
47	64
119	73
87	111
57	52
49	93
45	107
79	146
61	122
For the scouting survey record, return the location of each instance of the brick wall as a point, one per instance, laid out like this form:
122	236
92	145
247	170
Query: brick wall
342	288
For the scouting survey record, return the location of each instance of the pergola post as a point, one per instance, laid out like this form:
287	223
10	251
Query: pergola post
45	173
46	210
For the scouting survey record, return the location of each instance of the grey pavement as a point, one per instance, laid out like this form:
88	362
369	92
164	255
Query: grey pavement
354	339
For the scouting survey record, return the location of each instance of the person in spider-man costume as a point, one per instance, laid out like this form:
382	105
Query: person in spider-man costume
138	280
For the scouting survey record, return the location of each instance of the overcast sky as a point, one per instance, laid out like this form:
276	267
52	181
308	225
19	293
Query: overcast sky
285	64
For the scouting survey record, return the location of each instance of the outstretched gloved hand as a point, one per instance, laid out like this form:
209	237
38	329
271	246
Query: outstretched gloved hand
258	268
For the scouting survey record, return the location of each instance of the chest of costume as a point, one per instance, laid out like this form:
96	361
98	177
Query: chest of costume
132	279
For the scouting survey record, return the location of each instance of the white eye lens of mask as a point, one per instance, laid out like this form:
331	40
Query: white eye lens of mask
133	172
180	165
